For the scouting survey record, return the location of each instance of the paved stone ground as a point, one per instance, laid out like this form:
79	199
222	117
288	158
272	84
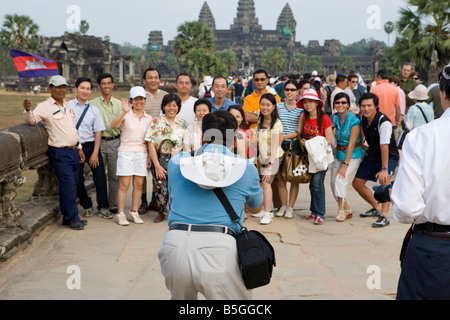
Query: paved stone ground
331	261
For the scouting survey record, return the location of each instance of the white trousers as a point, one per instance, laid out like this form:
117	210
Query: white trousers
339	185
201	262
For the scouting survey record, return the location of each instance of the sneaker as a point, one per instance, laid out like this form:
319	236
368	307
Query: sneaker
258	215
311	217
289	214
319	221
134	216
104	213
370	213
266	218
381	222
281	211
88	212
121	219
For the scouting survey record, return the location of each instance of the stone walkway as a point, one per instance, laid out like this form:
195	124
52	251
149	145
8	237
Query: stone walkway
349	260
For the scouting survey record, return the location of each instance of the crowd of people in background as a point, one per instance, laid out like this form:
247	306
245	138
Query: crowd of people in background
125	142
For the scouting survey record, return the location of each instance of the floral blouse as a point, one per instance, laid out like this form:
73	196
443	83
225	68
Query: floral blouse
160	130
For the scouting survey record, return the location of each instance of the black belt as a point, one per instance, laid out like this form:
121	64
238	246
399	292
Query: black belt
111	138
431	227
66	147
201	228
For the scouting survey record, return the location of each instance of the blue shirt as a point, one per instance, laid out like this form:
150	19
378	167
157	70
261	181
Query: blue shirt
192	204
343	135
92	121
225	105
289	118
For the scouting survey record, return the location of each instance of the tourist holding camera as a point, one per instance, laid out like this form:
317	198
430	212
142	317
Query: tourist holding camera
420	194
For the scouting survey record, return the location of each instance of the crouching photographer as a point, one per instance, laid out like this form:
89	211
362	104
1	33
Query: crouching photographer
421	193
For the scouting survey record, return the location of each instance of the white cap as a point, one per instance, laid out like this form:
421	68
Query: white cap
57	81
137	91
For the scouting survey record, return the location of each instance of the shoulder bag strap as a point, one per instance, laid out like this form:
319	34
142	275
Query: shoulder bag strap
423	113
227	205
82	116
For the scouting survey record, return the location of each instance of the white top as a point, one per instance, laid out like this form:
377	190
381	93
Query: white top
187	110
421	190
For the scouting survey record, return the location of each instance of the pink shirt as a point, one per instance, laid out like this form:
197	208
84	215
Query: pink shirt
58	121
133	132
388	98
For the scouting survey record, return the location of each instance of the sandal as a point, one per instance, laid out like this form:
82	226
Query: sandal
341	216
348	213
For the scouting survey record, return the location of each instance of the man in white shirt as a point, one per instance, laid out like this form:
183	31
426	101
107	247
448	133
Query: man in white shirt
183	85
421	194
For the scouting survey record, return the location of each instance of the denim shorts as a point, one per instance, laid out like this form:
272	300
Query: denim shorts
296	147
367	169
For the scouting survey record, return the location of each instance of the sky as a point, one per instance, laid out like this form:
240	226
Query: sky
132	20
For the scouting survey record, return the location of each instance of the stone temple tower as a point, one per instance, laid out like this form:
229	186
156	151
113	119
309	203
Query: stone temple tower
246	21
206	16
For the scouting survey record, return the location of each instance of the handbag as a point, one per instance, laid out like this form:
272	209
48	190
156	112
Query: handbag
295	168
255	253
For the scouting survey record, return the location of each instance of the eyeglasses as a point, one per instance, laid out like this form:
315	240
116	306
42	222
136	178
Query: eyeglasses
259	79
290	90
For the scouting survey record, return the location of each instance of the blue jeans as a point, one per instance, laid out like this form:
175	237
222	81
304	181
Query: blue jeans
317	191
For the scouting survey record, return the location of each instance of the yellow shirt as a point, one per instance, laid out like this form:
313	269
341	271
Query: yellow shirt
58	121
251	104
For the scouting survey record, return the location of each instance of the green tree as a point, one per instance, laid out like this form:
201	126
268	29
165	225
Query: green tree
193	35
229	59
198	63
423	27
315	63
389	28
84	27
20	32
274	60
153	59
172	64
299	64
346	64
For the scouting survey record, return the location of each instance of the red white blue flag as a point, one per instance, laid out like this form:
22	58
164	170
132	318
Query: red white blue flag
31	66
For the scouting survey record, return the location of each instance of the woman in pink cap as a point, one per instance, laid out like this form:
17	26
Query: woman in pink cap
315	123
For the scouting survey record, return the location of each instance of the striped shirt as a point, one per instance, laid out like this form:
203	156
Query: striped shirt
289	118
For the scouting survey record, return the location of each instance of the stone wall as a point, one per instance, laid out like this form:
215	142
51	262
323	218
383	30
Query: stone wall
25	148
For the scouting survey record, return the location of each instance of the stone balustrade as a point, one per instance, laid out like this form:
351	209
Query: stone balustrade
24	148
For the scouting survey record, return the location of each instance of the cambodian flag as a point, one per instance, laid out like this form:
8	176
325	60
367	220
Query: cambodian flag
31	66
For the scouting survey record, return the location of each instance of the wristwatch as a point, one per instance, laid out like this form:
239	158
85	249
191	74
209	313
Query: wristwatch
344	163
384	168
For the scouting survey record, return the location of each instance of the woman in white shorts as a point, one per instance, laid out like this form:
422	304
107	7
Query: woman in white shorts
133	161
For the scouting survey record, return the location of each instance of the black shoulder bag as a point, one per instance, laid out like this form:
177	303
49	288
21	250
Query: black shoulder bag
256	254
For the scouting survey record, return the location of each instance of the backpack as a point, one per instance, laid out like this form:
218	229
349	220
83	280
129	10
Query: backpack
207	94
327	106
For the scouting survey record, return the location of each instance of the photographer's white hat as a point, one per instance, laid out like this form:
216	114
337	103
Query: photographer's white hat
213	169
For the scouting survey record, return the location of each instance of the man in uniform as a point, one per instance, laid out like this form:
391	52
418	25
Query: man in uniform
64	148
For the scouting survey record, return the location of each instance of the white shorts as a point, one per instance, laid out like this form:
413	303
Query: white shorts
132	164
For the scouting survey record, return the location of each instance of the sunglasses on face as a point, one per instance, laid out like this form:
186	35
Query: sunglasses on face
259	79
341	102
415	78
290	90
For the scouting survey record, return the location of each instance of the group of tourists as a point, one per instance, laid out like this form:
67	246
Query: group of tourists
124	140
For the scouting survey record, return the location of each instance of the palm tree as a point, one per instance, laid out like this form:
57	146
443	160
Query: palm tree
422	31
20	32
84	27
193	35
274	60
388	28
